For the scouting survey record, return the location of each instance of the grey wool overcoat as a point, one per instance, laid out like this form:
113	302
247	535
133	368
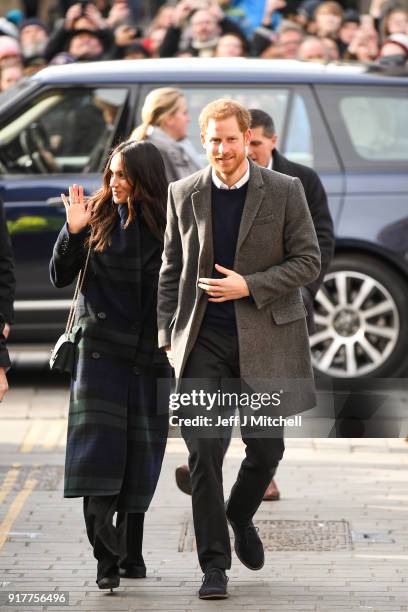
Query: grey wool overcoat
277	253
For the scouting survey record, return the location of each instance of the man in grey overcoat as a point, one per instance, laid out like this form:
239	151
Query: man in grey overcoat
239	244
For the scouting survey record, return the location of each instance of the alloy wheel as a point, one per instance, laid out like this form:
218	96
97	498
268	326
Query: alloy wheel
357	325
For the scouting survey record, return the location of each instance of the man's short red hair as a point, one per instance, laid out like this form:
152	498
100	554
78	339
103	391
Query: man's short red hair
223	108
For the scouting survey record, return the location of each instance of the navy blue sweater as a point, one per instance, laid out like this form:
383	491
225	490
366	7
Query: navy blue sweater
227	208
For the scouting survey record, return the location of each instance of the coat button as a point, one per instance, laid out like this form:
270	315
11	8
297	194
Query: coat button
101	315
95	355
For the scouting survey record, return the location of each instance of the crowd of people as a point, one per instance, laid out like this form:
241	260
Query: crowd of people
90	30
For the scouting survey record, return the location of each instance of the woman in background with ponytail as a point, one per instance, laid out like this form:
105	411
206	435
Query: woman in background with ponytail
165	121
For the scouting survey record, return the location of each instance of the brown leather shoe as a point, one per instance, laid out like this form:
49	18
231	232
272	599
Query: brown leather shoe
272	492
183	481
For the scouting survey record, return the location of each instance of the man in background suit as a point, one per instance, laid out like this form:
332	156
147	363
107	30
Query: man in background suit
7	284
262	150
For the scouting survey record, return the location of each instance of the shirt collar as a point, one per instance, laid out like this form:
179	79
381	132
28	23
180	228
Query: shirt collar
270	165
218	182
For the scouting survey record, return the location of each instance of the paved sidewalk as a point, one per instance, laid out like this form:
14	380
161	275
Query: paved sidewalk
354	487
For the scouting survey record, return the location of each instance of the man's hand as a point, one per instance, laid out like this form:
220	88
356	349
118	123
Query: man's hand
95	16
232	287
125	35
3	383
270	7
181	12
169	354
215	10
73	13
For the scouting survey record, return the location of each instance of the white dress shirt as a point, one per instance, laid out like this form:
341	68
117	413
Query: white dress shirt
218	182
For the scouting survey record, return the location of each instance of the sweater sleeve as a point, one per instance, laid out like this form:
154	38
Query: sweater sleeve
67	257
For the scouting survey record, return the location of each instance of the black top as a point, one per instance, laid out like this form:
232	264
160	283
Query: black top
118	302
227	208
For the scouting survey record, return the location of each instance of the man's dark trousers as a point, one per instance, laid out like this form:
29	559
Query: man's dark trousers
214	360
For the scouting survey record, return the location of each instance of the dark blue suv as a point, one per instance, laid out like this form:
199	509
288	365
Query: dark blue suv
349	124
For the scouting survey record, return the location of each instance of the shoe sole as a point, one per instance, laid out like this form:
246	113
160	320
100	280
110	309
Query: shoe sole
125	577
215	596
108	588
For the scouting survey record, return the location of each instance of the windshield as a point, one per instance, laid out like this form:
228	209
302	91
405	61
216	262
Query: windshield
20	88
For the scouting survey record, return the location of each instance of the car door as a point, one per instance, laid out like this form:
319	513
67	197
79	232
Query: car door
54	138
362	318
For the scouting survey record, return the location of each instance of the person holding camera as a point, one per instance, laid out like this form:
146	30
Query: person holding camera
84	34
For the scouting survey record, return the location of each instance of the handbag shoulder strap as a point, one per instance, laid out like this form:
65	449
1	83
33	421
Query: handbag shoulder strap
78	289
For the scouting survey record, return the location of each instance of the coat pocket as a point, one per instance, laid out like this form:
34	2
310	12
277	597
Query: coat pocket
289	313
265	219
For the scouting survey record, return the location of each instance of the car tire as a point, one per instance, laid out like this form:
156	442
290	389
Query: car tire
361	320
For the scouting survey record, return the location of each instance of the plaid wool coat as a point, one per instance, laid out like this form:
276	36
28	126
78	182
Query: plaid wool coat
118	416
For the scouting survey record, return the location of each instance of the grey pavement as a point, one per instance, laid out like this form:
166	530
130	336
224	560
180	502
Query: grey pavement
337	540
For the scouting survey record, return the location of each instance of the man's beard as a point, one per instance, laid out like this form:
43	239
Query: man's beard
228	170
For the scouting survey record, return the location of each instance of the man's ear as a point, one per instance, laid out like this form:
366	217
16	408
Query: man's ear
247	137
274	140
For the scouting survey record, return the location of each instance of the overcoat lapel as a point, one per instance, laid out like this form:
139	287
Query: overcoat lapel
254	197
201	202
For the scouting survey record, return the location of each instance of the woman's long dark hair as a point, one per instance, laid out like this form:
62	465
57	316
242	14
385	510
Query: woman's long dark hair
143	168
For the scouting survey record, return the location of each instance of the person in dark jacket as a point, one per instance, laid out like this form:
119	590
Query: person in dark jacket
7	287
118	418
262	150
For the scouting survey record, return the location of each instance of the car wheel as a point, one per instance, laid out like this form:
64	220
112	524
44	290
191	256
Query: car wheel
361	320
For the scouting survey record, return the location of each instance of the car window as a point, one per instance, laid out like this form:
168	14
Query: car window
377	127
61	131
273	101
301	134
306	140
298	143
370	125
20	88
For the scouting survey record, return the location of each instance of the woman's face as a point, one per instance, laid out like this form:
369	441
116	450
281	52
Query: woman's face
176	124
121	188
397	23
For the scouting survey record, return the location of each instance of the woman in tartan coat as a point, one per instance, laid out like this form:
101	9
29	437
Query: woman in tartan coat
118	416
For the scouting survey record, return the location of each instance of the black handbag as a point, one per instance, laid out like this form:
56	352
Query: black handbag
63	355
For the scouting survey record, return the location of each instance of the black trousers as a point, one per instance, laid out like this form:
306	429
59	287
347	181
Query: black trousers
113	545
213	365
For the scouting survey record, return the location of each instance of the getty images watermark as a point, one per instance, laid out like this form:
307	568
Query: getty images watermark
221	400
